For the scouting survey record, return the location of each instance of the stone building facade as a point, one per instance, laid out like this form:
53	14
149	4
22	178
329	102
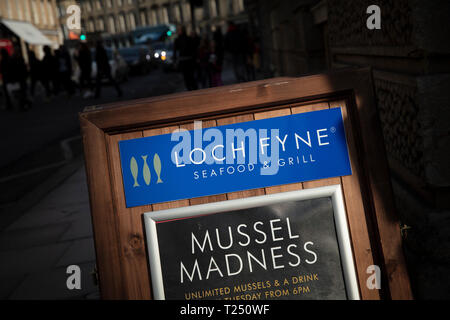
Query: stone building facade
116	19
410	59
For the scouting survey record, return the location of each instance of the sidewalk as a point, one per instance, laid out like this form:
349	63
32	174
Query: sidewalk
46	122
38	247
55	230
40	142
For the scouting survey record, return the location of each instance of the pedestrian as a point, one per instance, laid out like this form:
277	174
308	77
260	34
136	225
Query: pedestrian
37	74
50	70
235	44
103	70
219	46
203	63
215	66
19	73
56	79
195	41
184	55
65	69
257	55
249	57
5	72
84	60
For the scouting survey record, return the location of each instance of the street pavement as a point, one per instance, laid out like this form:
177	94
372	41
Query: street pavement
37	244
40	242
37	248
30	131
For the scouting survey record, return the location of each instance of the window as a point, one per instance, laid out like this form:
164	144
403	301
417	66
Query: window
186	11
177	13
100	24
112	25
119	3
199	13
238	6
91	25
51	16
153	17
35	11
43	14
19	12
132	21
164	15
98	5
26	9
109	3
212	8
122	24
143	18
8	9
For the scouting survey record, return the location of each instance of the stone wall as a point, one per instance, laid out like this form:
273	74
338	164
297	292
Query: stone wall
411	66
410	59
407	56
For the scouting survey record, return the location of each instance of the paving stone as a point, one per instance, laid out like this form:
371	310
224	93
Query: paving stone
16	262
30	237
79	251
51	284
9	284
81	227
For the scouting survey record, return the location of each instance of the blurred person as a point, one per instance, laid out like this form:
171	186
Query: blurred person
257	56
56	77
184	54
203	63
195	43
215	66
19	73
103	70
5	72
50	69
37	74
84	60
249	57
235	44
65	69
219	46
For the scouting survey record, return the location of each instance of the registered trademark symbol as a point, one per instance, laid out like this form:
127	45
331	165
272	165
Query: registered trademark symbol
333	129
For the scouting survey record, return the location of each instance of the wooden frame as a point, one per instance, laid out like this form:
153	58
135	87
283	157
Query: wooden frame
119	232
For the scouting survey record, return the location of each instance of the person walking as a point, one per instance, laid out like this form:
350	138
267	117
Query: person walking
249	57
203	63
219	46
184	54
215	66
50	70
236	45
19	74
103	70
37	74
65	69
84	60
5	72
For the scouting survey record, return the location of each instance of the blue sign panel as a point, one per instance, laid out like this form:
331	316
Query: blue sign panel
255	154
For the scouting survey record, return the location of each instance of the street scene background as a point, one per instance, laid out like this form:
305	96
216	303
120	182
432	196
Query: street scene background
57	60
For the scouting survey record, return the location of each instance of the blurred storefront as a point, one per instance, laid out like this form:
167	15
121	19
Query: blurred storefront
29	24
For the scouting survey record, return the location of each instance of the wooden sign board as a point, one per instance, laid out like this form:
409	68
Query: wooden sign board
329	230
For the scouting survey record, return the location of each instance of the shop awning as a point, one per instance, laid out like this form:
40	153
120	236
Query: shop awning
27	32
